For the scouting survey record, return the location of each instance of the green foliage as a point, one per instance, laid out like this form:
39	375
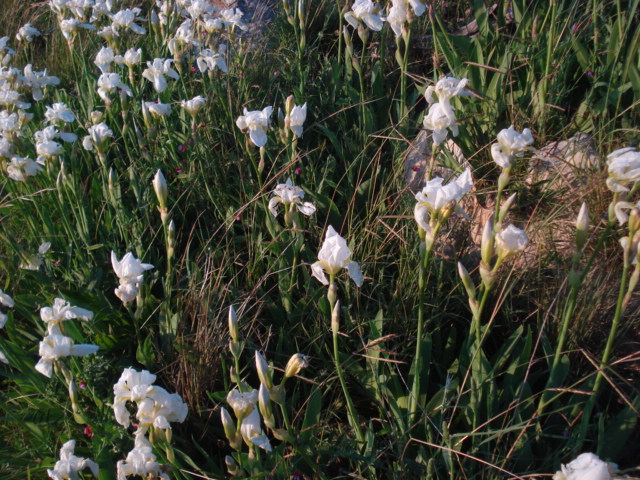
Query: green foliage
487	405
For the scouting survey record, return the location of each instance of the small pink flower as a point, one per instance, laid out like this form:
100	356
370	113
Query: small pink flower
416	168
193	70
182	148
298	171
590	73
276	73
238	217
82	385
88	431
179	170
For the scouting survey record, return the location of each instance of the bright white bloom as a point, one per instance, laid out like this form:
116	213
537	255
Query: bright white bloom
185	35
6	300
156	71
69	465
256	123
418	7
10	125
334	256
251	431
199	9
158	109
108	83
98	137
208	60
160	407
61	311
212	25
101	8
623	166
108	33
10	77
587	466
80	8
6	53
290	196
367	12
27	32
510	241
46	148
438	120
233	18
296	118
35	261
132	386
37	81
445	89
20	168
156	406
9	98
104	58
126	19
48	134
620	212
140	462
242	403
194	105
129	270
398	16
56	346
511	144
59	114
436	198
6	148
130	58
70	28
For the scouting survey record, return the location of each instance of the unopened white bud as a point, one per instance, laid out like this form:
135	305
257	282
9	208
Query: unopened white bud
160	186
486	247
296	363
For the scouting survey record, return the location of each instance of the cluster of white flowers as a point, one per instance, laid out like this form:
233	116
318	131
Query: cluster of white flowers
55	344
368	13
156	408
256	122
245	408
435	202
129	271
441	115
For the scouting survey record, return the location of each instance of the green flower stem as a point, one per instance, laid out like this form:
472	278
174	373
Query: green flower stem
568	313
604	363
414	398
335	319
340	25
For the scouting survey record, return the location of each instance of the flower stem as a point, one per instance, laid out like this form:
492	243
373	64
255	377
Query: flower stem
335	325
414	398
